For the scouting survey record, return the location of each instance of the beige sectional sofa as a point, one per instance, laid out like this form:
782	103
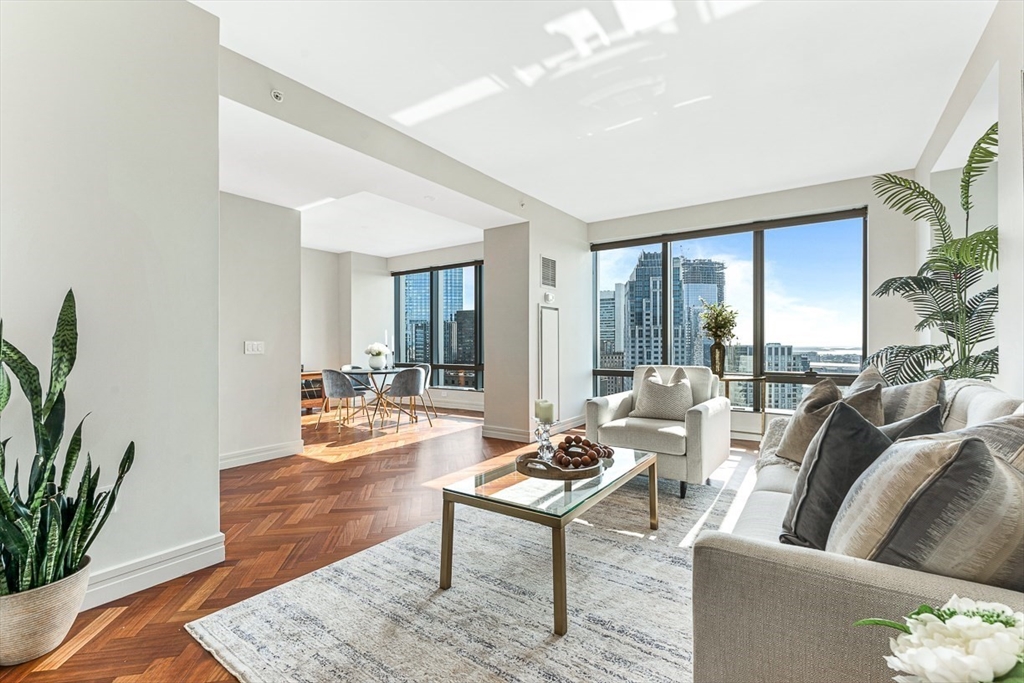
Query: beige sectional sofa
766	611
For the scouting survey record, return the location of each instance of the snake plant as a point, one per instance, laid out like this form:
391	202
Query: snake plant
45	532
940	292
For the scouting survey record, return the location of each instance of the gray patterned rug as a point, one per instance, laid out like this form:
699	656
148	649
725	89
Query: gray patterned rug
379	615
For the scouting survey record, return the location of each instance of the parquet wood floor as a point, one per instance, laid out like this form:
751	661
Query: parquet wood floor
282	519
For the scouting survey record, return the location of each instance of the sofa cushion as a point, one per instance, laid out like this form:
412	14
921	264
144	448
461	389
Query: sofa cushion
645	434
762	515
663	399
901	401
971	401
815	408
1004	436
928	422
776	477
840	452
939	505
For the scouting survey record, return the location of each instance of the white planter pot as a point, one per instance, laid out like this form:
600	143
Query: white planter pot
36	621
377	362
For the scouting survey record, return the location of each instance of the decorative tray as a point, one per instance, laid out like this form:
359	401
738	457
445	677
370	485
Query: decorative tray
598	458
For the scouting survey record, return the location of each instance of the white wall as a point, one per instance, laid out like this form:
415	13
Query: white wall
321	311
259	301
566	242
437	257
891	239
371	291
109	178
1002	47
508	344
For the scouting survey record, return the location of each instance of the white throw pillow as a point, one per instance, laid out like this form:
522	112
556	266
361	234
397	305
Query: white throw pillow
663	400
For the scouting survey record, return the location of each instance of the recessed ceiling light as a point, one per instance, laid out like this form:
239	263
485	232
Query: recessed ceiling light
319	202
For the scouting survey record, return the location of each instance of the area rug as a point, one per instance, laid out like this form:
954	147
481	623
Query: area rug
380	616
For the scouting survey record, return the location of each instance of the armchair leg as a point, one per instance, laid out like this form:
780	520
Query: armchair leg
682	489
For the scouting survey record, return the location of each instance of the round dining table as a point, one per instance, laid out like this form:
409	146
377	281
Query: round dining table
378	385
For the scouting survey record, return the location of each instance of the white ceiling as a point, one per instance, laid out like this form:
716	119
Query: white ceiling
606	109
377	209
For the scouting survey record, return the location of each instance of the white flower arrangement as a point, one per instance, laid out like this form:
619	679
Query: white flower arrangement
377	349
963	642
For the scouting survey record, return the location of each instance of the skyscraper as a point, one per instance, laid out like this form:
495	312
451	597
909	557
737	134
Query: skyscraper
642	333
694	282
606	321
416	306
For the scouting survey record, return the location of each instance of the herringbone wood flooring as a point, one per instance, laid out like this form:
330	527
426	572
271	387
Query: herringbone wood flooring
282	519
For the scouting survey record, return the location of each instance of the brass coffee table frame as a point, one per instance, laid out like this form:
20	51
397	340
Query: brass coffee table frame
556	523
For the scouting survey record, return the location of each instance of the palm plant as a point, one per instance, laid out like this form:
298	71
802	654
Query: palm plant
45	533
940	292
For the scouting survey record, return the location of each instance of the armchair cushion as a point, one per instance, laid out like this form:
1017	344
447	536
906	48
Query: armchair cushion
663	400
645	434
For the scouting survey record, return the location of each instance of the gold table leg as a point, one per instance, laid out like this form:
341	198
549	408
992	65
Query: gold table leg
652	482
558	566
447	529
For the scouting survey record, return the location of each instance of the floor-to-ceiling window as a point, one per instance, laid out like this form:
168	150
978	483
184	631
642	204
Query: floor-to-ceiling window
438	320
798	286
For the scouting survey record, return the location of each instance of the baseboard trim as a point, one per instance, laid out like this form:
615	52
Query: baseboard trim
571	423
132	577
523	436
507	434
251	455
746	436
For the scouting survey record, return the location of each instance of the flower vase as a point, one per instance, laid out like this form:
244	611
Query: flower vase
377	362
718	358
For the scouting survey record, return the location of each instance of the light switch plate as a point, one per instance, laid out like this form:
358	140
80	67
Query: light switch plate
253	347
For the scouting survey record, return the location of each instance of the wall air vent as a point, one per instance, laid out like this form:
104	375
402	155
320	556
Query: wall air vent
547	272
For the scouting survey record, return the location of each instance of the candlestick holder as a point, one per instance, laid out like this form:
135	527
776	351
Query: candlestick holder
543	433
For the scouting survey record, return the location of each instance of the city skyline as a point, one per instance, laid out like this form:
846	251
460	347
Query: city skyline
828	254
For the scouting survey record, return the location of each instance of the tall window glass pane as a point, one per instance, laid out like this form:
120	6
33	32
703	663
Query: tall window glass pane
413	343
628	311
714	270
814	303
457	300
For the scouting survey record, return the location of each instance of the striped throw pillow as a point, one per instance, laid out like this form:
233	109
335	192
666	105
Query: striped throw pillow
938	505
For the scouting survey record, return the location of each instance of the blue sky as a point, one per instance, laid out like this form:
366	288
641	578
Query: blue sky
813	280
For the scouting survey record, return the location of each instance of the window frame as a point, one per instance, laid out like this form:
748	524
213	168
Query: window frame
757	230
435	326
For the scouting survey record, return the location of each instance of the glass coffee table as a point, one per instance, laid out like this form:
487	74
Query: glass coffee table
553	503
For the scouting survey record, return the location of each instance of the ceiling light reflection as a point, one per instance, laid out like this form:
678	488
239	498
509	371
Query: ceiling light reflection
450	100
624	124
693	101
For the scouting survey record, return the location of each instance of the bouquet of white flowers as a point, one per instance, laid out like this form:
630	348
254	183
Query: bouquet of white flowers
376	349
963	642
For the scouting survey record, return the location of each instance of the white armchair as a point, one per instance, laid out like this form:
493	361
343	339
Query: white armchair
688	451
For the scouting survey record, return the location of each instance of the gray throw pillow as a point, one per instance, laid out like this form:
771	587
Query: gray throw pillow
938	505
840	452
817	405
663	401
901	401
928	422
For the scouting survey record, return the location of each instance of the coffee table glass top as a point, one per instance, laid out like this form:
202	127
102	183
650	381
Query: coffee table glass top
547	496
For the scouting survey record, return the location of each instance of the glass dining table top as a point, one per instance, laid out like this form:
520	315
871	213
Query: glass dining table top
550	497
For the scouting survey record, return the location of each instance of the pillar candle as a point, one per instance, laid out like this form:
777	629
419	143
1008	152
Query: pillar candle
544	410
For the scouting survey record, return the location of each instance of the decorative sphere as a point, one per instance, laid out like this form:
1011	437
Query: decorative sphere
586	460
576	462
578	439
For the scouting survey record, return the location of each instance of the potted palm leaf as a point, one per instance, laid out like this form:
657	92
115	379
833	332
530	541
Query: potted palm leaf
942	291
45	529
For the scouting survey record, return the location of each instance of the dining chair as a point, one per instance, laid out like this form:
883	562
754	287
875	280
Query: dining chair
426	387
409	383
337	385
